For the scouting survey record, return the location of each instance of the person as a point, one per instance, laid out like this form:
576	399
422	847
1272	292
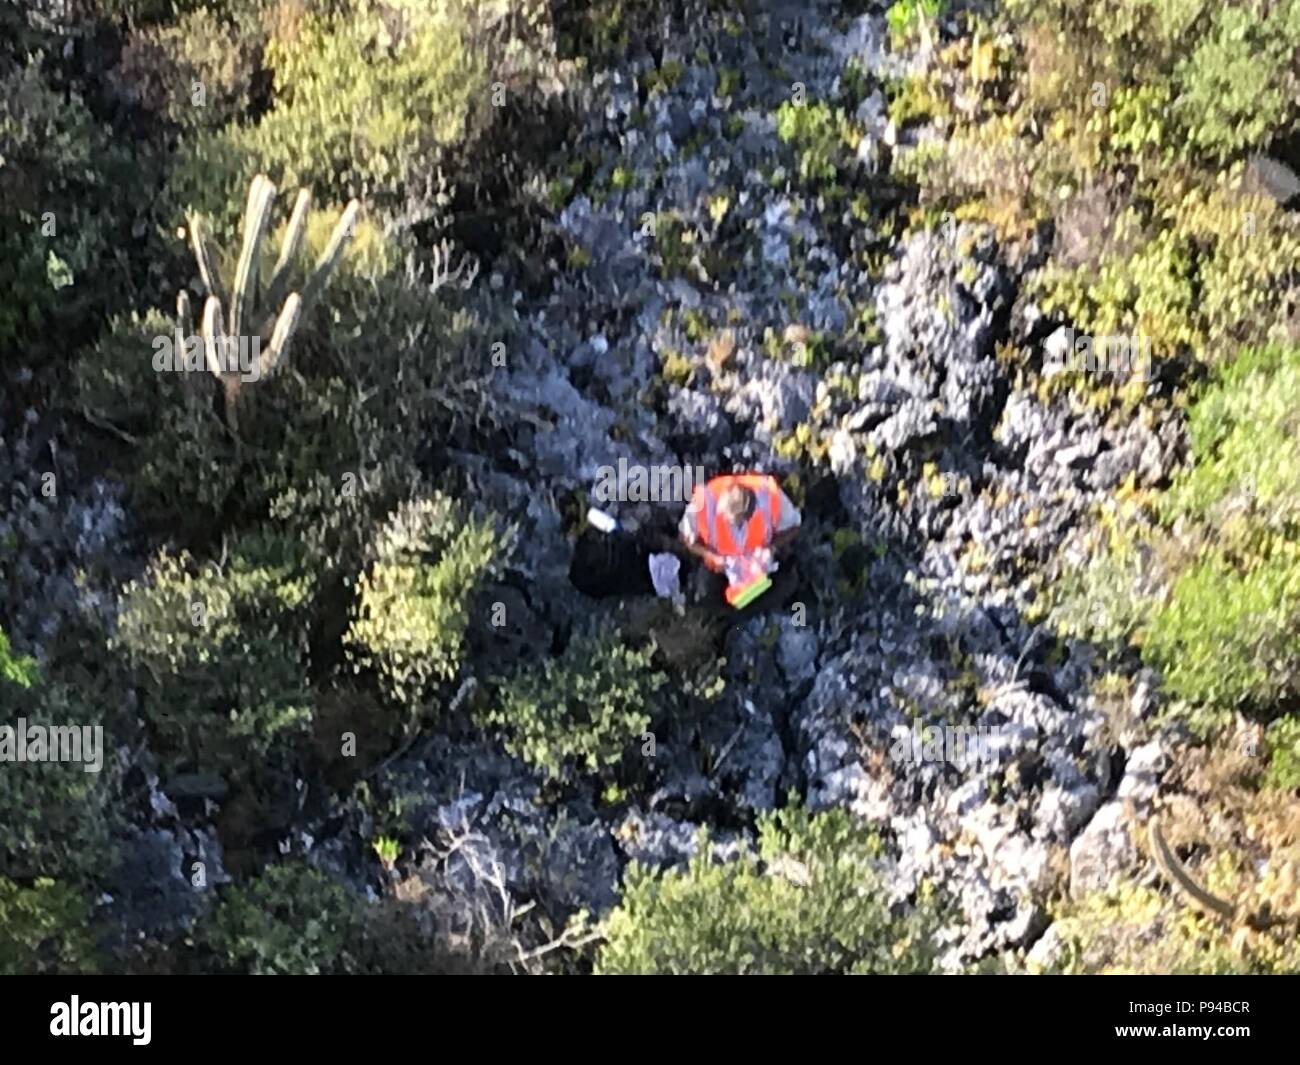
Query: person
736	524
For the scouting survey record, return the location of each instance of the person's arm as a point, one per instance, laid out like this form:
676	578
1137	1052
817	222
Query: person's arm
788	524
783	539
687	536
710	558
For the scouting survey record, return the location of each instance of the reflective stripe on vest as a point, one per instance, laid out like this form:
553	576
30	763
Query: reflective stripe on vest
716	532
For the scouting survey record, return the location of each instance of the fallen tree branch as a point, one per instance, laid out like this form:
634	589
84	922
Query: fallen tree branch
1181	880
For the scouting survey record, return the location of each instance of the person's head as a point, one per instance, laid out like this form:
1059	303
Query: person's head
737	504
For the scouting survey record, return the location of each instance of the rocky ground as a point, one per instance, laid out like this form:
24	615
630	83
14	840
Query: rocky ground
935	623
938	488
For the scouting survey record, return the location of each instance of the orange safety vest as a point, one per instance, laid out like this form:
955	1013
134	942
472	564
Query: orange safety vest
715	532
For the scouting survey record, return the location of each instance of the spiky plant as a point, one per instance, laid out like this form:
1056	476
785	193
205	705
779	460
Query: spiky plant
273	311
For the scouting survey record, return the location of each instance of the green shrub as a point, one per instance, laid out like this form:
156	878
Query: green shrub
44	929
186	478
1125	123
116	380
333	514
199	71
322	464
293	919
1230	630
904	18
824	138
290	920
363	103
1210	590
1239	84
222	652
186	473
58	170
16	669
1225	69
1245	480
298	426
1131	929
1204	274
412	604
578	712
811	901
1283	743
59	820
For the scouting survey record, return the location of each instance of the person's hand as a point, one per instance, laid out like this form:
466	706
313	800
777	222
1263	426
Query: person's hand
710	558
742	569
713	560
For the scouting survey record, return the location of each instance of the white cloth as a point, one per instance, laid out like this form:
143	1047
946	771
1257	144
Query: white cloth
664	570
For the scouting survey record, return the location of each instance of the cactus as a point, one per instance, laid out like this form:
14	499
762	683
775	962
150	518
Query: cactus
247	304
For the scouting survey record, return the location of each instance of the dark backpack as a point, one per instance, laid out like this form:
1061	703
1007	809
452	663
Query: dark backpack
605	565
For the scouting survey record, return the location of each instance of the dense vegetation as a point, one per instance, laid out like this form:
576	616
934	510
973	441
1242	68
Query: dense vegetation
288	598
